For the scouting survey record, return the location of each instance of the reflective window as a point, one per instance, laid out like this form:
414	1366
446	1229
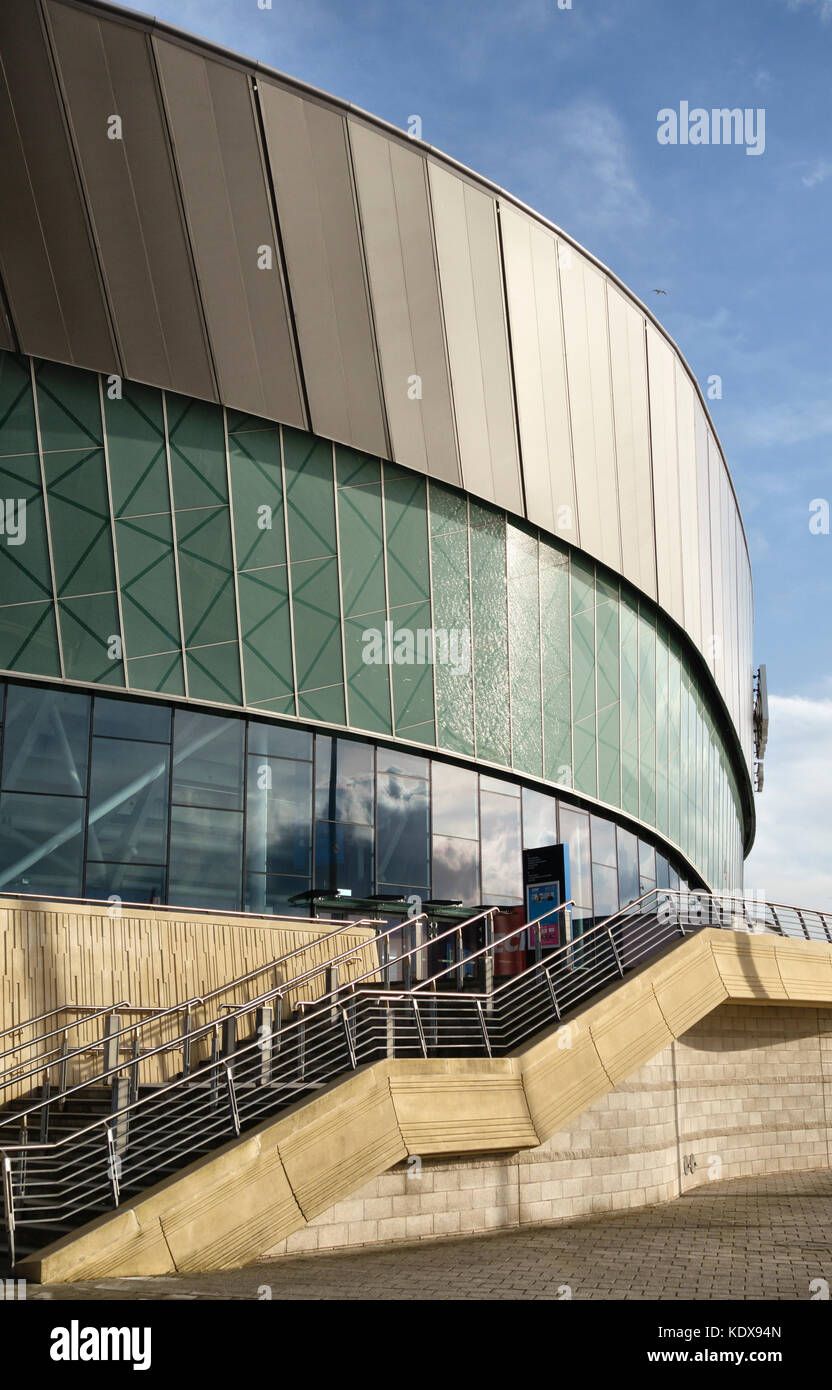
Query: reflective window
270	893
278	816
646	868
454	794
403	815
46	743
603	842
131	719
133	883
206	857
128	818
41	844
456	869
344	857
574	829
207	761
540	819
627	867
343	780
502	865
498	784
605	890
277	741
391	760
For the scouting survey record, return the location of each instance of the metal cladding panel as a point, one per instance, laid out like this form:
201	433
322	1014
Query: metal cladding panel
703	512
686	438
590	406
309	158
398	242
665	474
714	470
530	256
210	107
46	255
628	358
6	338
107	71
475	324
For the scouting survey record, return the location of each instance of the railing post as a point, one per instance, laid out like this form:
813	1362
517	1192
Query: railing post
459	957
485	1037
134	1068
111	1027
349	1038
62	1070
232	1101
301	1031
390	1029
419	1029
215	1053
552	994
113	1165
186	1042
46	1092
120	1098
331	987
407	945
263	1019
8	1203
229	1037
615	952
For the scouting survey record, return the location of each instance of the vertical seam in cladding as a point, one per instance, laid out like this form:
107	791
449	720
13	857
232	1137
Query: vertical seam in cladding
428	485
89	225
474	738
620	564
56	613
288	572
342	631
655	525
508	644
113	539
540	661
234	559
6	312
442	324
362	253
576	519
175	542
515	410
388	630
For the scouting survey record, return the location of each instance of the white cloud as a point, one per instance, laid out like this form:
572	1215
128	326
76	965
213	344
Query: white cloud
823	7
792	857
820	173
789	424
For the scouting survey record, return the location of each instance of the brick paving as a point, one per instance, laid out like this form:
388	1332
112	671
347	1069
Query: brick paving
753	1238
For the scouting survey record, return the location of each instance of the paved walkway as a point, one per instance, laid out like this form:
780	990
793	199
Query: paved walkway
765	1238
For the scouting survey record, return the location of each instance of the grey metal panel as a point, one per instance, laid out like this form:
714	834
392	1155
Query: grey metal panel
590	406
530	256
628	359
211	112
686	443
714	471
46	256
391	182
472	296
660	362
309	158
703	509
107	70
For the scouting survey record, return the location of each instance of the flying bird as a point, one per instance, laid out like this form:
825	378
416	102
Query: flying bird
660	291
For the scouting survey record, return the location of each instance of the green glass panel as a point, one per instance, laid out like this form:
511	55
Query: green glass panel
609	756
326	704
241	423
361	549
490	630
266	634
674	702
405	505
629	706
90	639
205	576
448	510
353	469
368	674
69	408
662	731
24	553
583	584
608	651
316	609
420	733
197	452
136	451
557	693
585	770
309	495
162	674
583	664
79	522
29	640
284	704
257	492
451	614
413	679
147	575
214	673
524	648
17	413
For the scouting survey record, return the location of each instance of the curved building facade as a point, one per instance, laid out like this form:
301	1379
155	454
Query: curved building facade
360	529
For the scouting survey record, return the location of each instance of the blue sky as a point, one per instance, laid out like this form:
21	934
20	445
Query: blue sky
560	107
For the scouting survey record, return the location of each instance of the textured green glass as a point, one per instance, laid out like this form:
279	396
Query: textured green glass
684	768
368	680
29	639
206	577
162	674
214	673
629	706
136	451
489	612
448	510
557	687
309	495
405	505
79	522
361	549
148	585
317	624
266	634
661	728
69	408
18	434
413	682
647	713
452	615
197	452
257	493
90	639
24	559
524	648
674	720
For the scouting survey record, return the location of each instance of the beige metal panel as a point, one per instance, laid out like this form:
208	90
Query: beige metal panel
391	182
217	148
583	293
628	358
530	258
688	501
309	158
660	359
714	472
703	510
475	326
107	72
46	256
